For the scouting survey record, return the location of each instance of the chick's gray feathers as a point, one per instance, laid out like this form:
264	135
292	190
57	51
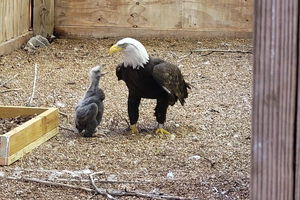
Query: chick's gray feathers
89	110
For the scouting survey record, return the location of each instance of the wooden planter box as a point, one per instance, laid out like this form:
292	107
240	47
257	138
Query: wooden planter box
24	138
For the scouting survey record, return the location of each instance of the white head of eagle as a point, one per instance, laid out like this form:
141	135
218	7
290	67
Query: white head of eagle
135	54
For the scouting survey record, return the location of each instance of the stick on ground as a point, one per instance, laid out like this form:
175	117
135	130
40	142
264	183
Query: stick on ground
33	88
50	183
63	114
99	190
179	57
9	80
9	90
96	181
65	128
210	51
110	193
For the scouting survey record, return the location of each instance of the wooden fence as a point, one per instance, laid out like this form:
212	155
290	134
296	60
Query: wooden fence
15	18
148	18
21	19
105	18
15	21
43	17
275	163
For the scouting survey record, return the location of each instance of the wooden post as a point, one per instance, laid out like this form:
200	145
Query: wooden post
275	128
43	17
297	146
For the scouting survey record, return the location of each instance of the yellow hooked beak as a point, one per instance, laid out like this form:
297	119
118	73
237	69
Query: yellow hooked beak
113	49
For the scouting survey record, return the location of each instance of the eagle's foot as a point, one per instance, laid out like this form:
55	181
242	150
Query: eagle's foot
99	134
134	129
161	131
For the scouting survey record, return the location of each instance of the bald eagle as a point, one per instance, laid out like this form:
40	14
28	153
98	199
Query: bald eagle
150	78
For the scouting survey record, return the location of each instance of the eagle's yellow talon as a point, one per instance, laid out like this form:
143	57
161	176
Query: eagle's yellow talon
161	131
134	129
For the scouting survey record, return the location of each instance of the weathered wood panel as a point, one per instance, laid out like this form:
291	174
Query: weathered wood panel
274	99
2	20
125	13
9	20
25	16
43	17
15	43
218	14
297	144
181	18
14	24
14	18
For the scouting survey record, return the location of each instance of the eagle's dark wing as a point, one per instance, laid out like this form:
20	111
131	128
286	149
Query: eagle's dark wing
170	78
118	72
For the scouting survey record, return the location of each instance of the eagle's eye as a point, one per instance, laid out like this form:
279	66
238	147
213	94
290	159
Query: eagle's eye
124	45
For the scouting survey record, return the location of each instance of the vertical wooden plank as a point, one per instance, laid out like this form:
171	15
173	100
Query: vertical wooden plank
43	17
28	13
297	144
1	21
30	16
9	19
22	22
20	17
25	16
16	18
4	19
274	99
51	24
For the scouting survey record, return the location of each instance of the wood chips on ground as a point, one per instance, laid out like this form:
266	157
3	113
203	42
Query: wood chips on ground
7	124
207	156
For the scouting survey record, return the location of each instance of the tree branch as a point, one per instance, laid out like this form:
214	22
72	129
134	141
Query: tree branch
65	128
99	190
179	57
109	193
9	80
96	181
33	88
63	114
219	50
50	183
9	90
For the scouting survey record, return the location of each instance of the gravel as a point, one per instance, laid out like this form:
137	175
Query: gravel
207	156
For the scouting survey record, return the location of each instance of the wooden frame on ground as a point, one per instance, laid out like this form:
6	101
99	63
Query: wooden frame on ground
24	138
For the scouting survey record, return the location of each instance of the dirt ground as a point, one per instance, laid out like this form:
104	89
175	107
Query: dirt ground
207	156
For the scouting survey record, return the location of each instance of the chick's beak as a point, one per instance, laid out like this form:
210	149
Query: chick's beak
103	73
113	49
101	68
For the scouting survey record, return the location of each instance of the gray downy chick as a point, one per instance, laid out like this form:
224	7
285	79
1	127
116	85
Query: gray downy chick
89	110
